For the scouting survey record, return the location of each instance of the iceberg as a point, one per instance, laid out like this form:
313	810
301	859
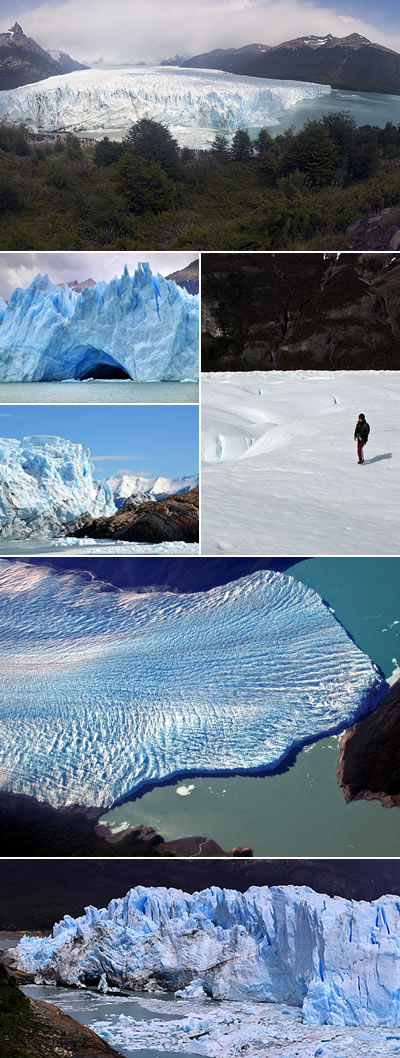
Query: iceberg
122	689
337	960
45	483
190	102
143	327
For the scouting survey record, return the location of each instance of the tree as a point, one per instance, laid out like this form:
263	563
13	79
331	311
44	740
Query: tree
312	152
242	147
107	152
220	145
145	187
264	143
73	147
341	128
364	160
154	143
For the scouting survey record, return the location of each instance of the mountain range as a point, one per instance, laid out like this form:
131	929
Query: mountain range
125	486
23	61
353	62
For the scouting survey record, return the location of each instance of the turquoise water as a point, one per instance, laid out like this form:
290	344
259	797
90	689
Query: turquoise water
99	392
367	108
302	811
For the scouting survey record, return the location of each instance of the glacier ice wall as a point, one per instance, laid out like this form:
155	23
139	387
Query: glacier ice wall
95	100
145	326
46	482
103	692
337	959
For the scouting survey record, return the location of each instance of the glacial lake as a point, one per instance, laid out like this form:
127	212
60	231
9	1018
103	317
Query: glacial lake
367	108
300	811
99	392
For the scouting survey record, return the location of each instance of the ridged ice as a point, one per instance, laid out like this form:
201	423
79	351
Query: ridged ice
104	691
337	959
143	325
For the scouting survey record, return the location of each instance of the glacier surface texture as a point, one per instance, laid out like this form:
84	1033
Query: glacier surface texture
188	101
143	326
336	959
46	482
104	691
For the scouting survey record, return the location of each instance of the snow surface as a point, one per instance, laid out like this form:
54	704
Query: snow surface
190	102
145	324
337	960
125	485
105	691
280	469
46	482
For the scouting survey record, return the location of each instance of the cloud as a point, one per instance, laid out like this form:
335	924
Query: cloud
135	31
18	269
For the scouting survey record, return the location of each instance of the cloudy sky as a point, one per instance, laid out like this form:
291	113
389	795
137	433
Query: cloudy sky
18	269
131	31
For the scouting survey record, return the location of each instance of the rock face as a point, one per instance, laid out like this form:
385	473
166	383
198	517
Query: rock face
351	62
23	61
336	959
45	483
150	522
139	327
187	277
300	311
131	689
369	762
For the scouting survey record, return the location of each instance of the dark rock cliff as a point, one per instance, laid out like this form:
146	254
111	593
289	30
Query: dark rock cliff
369	762
173	518
300	311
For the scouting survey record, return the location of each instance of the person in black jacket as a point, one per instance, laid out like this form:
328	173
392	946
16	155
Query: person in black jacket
361	434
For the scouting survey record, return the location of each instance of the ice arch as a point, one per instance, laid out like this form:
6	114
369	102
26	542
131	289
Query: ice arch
94	363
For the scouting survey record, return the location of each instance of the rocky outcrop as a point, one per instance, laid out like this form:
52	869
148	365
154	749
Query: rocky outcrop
351	62
378	231
187	277
23	61
154	522
300	311
369	762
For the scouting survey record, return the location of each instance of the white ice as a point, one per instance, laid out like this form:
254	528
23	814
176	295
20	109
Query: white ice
193	103
280	473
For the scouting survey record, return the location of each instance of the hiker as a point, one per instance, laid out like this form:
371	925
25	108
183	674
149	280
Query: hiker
361	434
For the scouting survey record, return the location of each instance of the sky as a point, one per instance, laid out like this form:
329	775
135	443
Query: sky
134	31
149	440
18	269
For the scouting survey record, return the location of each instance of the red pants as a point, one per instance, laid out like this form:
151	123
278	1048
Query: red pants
360	446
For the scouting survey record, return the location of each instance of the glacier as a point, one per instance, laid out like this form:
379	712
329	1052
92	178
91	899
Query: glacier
46	482
337	960
143	326
193	103
105	691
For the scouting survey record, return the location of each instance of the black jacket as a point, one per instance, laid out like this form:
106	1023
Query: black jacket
361	432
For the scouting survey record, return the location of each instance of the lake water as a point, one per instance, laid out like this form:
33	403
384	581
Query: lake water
99	392
367	108
301	811
90	1008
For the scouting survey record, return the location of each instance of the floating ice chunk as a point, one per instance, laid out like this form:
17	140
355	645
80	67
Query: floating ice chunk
103	692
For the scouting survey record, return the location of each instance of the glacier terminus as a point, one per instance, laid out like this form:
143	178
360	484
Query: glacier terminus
335	959
194	104
143	327
120	690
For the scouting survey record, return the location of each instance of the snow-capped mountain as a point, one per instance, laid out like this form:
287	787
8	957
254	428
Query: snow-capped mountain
46	482
124	486
141	327
193	103
337	960
23	61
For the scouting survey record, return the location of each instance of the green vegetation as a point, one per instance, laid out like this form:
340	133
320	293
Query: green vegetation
17	1021
298	191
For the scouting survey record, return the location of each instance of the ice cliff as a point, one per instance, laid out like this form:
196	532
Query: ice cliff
144	327
188	101
46	482
131	689
337	959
